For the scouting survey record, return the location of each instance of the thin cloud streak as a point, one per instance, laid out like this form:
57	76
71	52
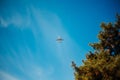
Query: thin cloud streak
7	76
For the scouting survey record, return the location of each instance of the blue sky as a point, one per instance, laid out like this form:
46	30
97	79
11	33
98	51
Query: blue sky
28	32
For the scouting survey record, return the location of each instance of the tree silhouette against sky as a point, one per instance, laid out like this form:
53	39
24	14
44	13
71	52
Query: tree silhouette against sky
104	62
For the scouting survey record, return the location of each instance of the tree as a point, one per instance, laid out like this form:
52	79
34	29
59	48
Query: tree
104	62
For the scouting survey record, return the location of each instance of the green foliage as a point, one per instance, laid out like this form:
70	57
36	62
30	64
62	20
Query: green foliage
104	62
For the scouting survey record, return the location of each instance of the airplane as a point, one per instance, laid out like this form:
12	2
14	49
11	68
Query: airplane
59	39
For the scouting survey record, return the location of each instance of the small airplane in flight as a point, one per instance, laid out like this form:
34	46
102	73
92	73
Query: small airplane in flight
59	39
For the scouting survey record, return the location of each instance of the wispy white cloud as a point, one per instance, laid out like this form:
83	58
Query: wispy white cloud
26	64
16	19
7	76
3	22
